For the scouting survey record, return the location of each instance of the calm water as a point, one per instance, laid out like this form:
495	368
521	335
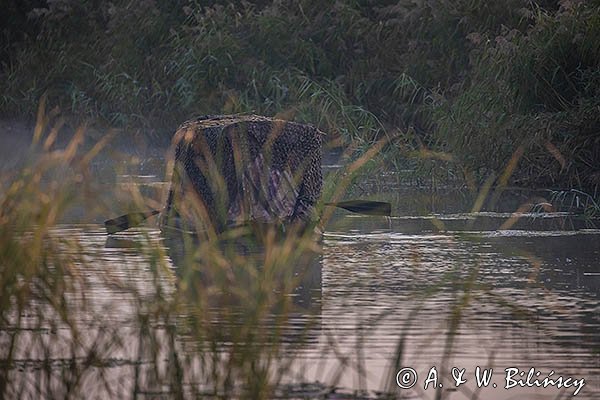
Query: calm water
550	276
534	304
437	285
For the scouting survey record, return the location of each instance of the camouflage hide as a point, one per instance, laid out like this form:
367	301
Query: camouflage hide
230	170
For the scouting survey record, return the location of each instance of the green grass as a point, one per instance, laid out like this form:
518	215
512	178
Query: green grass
479	93
215	318
533	90
47	278
466	82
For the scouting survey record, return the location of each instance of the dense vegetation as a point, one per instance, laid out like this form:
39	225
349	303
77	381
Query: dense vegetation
461	86
479	91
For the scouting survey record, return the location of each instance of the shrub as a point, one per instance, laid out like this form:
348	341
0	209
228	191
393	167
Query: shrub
536	90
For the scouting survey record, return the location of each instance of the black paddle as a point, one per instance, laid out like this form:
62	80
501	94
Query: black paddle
365	207
358	206
127	221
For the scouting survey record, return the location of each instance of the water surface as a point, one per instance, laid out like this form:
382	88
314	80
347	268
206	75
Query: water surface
437	285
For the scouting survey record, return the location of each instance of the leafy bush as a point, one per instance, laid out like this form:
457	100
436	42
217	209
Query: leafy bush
536	91
462	76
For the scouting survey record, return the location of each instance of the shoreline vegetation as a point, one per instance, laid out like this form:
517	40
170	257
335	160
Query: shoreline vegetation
468	91
490	95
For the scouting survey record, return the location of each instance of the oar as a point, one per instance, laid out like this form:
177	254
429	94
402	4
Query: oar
127	221
365	207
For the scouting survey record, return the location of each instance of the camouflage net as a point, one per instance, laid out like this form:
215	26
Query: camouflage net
233	169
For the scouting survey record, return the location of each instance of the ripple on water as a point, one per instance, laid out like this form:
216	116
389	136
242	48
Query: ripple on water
527	306
526	298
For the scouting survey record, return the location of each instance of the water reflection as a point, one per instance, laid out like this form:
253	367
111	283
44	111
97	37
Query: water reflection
304	270
442	290
532	301
150	321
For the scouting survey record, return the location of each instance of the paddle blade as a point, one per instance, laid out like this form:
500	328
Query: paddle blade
365	207
127	221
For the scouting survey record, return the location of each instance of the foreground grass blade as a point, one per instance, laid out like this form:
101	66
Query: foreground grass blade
127	221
